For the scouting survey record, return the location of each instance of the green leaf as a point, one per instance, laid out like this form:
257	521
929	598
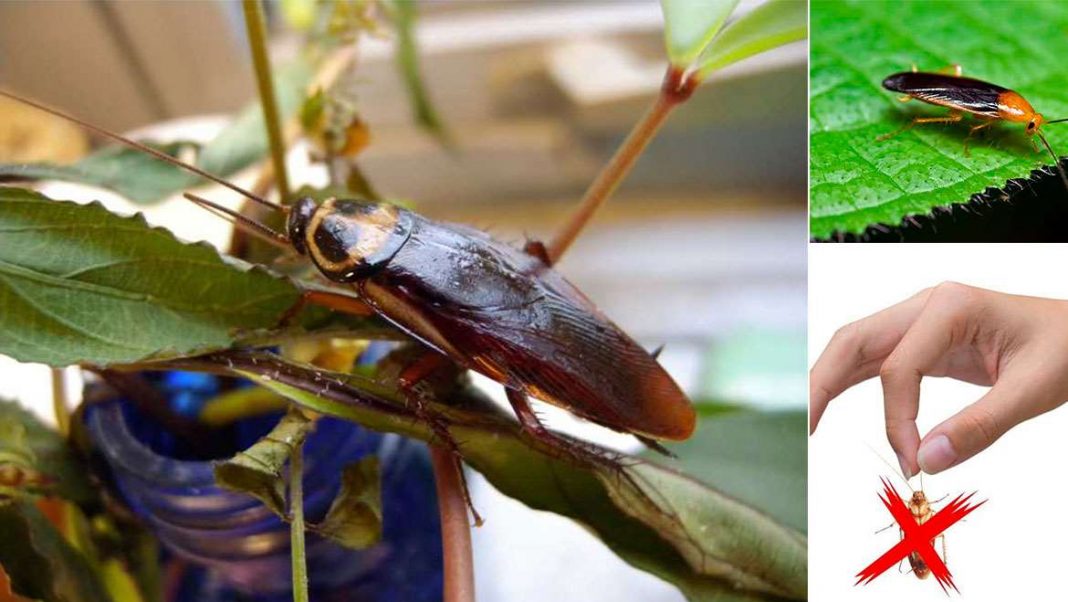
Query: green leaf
355	516
80	284
772	24
689	25
709	544
729	448
257	471
40	562
48	464
130	173
857	181
407	55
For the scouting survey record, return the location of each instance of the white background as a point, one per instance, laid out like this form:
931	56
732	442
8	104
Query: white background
1012	548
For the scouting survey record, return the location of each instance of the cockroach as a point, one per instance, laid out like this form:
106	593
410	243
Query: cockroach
990	103
478	302
922	510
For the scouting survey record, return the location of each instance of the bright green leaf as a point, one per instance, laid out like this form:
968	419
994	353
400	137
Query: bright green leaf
46	461
354	519
772	24
857	181
40	562
80	284
257	471
689	25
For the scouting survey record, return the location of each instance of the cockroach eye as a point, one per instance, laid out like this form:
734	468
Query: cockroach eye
297	224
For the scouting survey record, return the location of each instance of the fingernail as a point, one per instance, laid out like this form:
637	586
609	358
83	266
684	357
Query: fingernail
936	455
904	467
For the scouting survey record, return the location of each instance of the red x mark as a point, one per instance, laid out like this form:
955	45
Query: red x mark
916	537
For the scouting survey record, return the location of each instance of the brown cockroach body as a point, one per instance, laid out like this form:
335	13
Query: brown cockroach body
483	304
922	510
494	309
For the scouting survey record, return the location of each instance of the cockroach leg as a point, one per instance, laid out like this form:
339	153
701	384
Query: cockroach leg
567	447
537	249
335	301
972	132
904	98
953	68
655	446
885	528
953	117
409	381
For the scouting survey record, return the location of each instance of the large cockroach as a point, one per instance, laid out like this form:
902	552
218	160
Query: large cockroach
990	103
483	304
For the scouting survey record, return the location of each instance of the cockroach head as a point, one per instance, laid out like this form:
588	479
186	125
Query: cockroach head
1036	122
300	213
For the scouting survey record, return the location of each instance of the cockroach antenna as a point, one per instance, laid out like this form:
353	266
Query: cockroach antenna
248	225
896	471
146	149
1056	160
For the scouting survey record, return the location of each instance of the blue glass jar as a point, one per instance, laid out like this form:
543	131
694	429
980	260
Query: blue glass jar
238	542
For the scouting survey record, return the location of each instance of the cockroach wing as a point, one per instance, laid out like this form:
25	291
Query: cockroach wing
963	93
503	313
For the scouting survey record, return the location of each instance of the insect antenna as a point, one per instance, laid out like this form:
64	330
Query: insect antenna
244	223
896	471
144	148
1056	161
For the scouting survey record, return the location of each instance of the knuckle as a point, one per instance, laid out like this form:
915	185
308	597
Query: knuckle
954	295
891	370
847	334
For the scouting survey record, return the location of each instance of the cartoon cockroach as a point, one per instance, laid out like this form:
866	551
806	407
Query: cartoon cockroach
481	303
990	103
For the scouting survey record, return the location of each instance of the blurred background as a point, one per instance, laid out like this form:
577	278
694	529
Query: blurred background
703	249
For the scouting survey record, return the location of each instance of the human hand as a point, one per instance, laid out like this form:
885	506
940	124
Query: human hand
1017	344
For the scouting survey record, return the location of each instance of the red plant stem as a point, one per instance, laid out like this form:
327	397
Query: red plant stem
455	530
677	88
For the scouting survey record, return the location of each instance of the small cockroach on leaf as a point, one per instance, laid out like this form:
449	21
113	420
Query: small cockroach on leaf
473	302
990	103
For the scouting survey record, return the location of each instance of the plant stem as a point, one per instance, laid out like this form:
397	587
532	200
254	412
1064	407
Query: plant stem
296	527
455	530
257	38
59	401
677	88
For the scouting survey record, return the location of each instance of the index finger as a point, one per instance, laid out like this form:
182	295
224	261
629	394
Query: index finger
857	350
